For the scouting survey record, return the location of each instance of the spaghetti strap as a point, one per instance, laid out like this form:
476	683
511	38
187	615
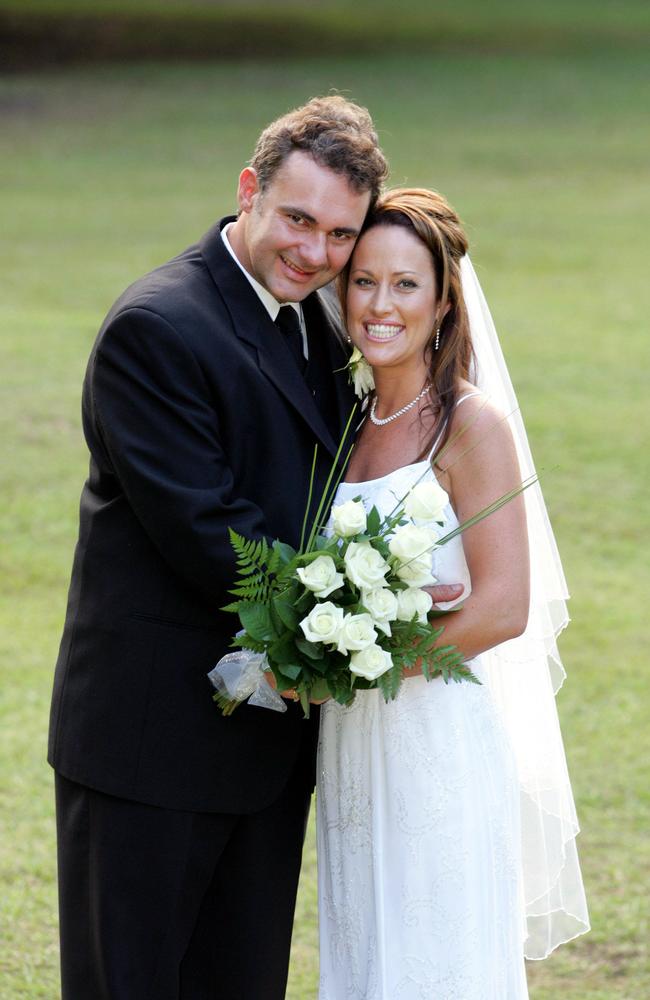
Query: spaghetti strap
468	395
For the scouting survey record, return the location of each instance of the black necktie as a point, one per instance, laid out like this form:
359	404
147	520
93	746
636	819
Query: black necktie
288	322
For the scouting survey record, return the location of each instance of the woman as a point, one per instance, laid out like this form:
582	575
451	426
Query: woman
446	845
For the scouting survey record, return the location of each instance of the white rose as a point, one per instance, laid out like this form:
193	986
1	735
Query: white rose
413	602
412	546
320	576
426	502
370	662
381	603
356	632
412	541
349	518
323	622
364	566
417	572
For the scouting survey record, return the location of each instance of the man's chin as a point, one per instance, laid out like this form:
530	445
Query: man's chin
295	292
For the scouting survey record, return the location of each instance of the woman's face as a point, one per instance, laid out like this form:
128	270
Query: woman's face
392	303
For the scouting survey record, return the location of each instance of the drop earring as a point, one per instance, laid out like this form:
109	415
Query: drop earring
437	343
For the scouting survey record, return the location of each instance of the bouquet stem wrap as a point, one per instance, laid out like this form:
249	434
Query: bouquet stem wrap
240	676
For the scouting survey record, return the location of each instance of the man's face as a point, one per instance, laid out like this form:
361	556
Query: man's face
299	232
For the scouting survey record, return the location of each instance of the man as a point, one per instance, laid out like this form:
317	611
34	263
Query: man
180	831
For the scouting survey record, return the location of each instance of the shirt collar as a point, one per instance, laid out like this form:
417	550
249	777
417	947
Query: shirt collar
269	301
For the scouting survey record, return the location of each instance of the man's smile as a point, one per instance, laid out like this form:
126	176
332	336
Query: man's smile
299	272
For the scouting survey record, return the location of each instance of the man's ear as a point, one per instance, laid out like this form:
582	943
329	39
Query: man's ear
247	189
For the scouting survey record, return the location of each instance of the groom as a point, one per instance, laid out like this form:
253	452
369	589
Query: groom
210	383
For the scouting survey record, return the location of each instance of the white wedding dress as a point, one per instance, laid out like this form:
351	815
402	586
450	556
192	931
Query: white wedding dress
419	867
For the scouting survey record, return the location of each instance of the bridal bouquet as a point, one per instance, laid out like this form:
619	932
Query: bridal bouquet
347	609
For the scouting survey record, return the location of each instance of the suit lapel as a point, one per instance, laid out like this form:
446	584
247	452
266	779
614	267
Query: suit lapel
252	324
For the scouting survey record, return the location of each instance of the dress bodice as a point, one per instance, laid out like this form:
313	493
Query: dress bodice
448	562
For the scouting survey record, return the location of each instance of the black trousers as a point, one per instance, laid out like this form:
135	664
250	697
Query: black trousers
157	904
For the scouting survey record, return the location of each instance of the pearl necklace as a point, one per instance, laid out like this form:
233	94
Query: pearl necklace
380	421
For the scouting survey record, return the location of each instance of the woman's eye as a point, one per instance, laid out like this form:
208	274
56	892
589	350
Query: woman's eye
297	219
407	283
362	282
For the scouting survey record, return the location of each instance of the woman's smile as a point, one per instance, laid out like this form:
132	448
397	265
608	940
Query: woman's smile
382	331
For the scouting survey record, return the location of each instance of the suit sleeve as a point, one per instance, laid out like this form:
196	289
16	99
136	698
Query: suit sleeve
159	427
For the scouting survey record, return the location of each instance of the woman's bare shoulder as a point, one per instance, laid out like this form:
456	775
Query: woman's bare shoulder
478	430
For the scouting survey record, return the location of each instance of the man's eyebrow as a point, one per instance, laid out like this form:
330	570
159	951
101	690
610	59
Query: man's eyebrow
294	210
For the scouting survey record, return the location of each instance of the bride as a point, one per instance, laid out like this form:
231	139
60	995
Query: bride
446	827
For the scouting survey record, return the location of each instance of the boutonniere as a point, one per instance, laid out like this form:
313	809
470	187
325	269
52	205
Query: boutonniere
360	374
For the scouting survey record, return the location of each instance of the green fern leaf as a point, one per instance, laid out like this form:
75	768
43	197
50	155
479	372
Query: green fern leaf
389	682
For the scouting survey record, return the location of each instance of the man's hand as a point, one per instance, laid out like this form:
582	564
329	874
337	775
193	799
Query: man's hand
290	694
443	592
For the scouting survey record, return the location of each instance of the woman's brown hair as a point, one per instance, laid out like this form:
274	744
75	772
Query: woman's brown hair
432	219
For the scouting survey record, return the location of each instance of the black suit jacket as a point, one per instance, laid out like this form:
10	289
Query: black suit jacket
197	420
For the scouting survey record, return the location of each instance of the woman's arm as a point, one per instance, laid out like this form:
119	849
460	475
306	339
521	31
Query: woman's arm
478	468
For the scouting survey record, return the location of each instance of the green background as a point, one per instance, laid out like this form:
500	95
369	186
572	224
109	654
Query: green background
533	121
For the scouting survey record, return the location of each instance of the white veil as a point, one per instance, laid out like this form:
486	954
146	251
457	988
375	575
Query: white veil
524	675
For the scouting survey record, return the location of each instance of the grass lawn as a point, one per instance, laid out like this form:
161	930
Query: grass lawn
108	171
